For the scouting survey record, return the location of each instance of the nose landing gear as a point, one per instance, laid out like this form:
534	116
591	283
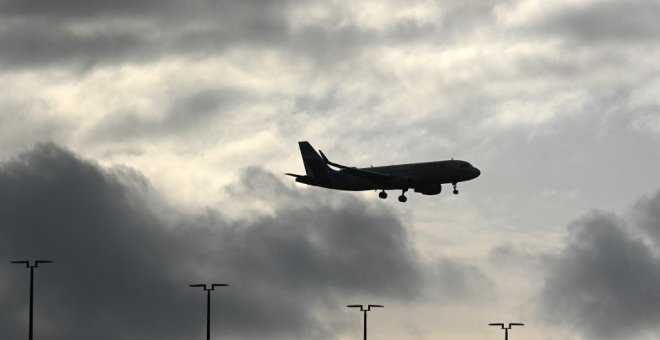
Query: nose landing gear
455	190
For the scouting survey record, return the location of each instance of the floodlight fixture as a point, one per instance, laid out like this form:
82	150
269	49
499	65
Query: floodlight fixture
506	328
31	265
208	288
365	309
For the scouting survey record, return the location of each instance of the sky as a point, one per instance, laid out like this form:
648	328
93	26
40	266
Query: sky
144	146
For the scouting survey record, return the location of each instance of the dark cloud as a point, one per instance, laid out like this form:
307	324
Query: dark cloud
42	43
87	33
124	258
83	34
185	112
646	214
606	21
70	9
605	282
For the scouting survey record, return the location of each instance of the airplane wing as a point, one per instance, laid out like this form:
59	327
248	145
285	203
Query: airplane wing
368	174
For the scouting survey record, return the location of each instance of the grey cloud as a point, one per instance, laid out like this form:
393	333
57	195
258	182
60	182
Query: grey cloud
86	33
607	21
42	43
460	18
509	256
69	9
456	281
328	42
124	258
646	214
185	112
605	282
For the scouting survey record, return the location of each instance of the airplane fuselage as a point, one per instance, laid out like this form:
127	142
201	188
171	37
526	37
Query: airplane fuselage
406	176
426	178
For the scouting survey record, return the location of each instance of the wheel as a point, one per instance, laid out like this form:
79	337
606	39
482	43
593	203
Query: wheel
455	192
382	195
402	198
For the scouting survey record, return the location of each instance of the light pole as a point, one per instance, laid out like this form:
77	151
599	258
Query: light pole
208	288
32	265
365	310
506	329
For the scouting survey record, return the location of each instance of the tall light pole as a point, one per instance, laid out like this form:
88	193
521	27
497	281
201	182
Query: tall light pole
365	310
506	329
31	265
208	288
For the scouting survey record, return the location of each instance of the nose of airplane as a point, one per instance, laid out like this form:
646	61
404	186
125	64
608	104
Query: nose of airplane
476	172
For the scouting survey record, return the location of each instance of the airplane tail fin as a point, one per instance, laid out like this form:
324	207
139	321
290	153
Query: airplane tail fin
315	166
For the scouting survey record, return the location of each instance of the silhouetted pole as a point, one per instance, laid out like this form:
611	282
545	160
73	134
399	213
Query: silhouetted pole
506	329
32	265
365	310
208	288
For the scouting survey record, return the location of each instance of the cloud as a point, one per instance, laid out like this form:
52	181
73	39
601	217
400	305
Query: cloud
81	35
605	282
124	258
456	281
184	113
44	43
586	21
71	9
84	34
602	21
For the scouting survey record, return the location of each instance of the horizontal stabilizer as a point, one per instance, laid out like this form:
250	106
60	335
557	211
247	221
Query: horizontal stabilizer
294	175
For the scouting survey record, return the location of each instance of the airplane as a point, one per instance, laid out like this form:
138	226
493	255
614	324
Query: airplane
425	178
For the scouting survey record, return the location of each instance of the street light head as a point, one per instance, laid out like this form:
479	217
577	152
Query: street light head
33	264
375	306
220	285
516	324
496	324
354	306
198	285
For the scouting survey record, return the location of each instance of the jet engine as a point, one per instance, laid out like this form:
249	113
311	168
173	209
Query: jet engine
429	189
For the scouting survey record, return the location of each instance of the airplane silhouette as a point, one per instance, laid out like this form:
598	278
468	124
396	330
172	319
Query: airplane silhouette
425	178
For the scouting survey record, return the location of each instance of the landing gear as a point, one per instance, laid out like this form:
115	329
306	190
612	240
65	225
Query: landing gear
455	190
403	197
382	194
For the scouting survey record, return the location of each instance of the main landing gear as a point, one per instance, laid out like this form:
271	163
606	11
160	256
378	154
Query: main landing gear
382	194
403	197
